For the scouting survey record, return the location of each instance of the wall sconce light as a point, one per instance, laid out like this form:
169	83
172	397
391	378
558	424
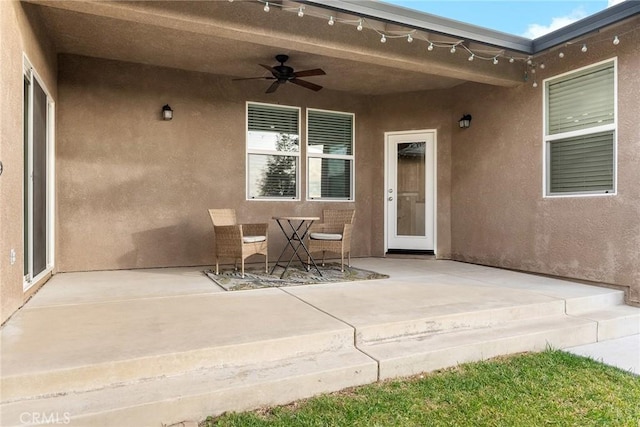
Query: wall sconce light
465	121
167	113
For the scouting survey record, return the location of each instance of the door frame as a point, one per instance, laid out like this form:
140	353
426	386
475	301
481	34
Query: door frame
433	177
31	73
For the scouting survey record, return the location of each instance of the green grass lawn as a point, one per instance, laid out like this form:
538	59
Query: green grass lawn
551	388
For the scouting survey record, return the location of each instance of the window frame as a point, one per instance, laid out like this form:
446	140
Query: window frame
548	138
296	154
351	157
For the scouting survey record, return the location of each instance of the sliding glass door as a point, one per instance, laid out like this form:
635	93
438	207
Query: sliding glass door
37	189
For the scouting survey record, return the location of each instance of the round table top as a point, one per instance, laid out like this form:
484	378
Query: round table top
297	218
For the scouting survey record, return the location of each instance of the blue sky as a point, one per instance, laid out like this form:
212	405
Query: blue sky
524	18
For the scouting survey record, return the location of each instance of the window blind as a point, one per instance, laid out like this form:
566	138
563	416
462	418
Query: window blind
582	101
272	118
329	132
329	178
582	163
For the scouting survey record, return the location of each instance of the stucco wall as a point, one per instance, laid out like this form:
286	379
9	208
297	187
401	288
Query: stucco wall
19	33
416	111
133	190
499	214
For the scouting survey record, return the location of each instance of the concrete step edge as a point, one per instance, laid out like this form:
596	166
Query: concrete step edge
409	357
197	394
407	329
99	375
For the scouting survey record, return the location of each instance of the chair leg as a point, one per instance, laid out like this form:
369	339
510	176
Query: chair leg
323	252
349	259
342	261
242	263
266	263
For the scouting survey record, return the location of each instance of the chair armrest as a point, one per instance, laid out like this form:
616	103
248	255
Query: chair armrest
255	229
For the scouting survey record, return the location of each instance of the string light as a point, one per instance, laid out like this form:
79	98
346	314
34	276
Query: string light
411	35
535	83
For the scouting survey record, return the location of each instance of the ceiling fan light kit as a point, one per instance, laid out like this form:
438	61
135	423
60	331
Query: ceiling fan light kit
283	74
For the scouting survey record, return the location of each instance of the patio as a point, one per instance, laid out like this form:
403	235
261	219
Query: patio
146	347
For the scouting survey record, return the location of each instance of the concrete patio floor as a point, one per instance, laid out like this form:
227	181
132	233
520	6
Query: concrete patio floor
146	347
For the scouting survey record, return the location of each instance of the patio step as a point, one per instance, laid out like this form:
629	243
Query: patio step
404	356
93	346
614	321
199	393
471	319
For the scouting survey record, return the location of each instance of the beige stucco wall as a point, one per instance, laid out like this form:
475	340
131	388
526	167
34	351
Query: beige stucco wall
499	214
429	110
19	33
133	190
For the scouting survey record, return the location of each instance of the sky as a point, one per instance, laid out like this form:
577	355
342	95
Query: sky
525	18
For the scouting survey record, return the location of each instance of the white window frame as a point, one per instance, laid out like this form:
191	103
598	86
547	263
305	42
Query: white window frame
249	151
351	157
549	139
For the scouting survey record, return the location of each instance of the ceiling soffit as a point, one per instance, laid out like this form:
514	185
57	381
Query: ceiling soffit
192	32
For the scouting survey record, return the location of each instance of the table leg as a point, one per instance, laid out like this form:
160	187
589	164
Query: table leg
295	236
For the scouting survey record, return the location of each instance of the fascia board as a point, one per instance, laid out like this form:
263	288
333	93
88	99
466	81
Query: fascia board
424	21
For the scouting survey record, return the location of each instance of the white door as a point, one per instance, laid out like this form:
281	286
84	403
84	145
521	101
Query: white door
410	191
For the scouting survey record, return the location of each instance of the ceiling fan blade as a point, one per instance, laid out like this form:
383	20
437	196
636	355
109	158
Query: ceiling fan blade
306	84
255	78
271	69
273	87
309	73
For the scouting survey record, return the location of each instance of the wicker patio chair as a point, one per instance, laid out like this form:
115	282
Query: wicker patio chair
333	234
238	241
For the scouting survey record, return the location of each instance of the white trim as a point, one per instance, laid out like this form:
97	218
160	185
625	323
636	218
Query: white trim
433	177
351	157
546	139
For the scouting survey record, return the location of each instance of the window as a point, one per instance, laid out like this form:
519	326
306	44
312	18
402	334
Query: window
330	155
273	151
580	131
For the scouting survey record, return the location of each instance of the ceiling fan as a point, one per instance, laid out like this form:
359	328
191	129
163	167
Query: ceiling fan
283	73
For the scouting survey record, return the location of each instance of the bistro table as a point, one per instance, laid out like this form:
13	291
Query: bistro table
299	226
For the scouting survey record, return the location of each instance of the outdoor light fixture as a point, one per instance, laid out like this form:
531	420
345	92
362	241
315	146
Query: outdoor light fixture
465	121
167	113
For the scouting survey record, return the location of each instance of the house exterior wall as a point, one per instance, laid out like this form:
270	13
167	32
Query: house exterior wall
499	214
20	34
133	190
416	111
